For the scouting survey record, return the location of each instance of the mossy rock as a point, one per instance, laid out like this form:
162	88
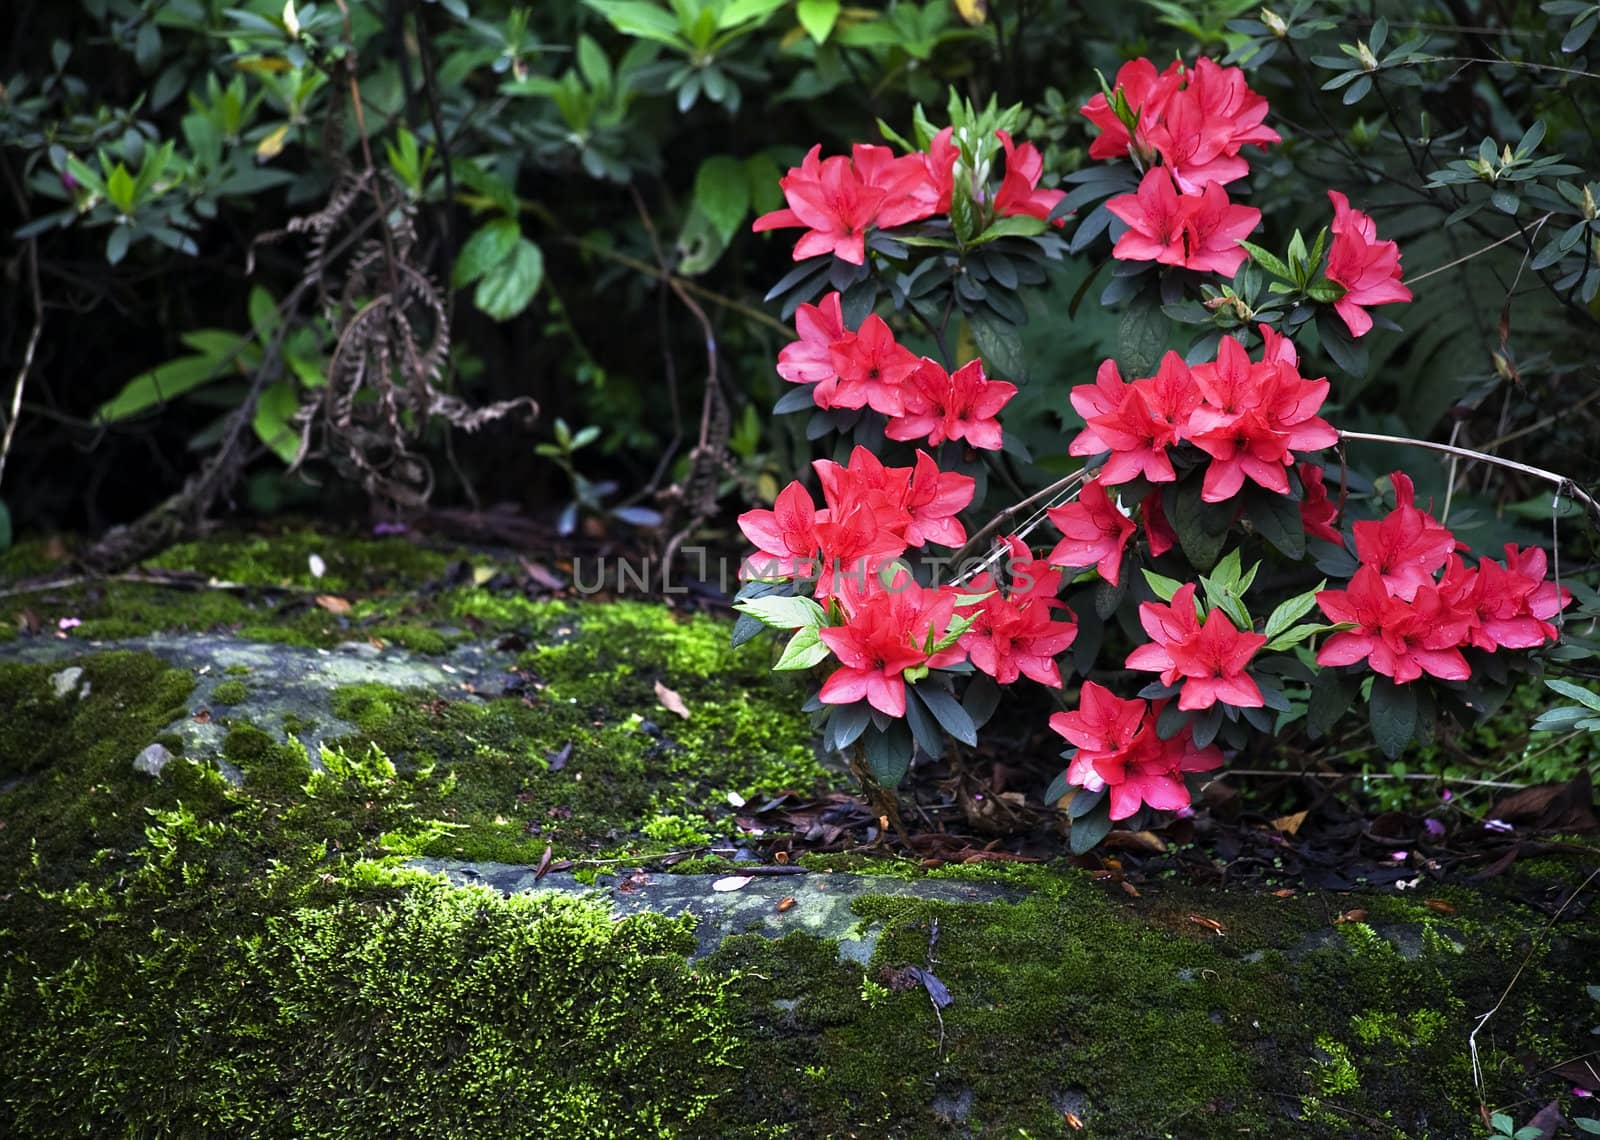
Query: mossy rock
239	947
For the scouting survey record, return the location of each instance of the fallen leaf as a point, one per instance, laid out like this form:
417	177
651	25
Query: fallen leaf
781	856
542	576
1135	841
544	864
1210	924
1289	824
671	701
203	716
785	903
333	603
558	760
733	882
1129	889
1283	893
1073	1121
1439	905
1356	915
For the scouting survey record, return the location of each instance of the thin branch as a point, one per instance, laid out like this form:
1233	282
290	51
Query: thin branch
27	356
1475	253
1563	485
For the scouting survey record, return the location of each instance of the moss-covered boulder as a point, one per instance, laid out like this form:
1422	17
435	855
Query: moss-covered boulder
380	891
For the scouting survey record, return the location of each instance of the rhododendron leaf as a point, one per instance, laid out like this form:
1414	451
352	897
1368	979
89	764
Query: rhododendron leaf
846	723
924	728
1202	527
1090	829
1331	696
1268	260
981	699
949	713
1392	714
1013	225
800	399
804	650
1576	692
1293	636
817	17
1058	788
782	612
1163	586
1276	518
1342	349
1204	728
1000	344
1293	610
889	753
1142	336
958	626
508	286
1084	801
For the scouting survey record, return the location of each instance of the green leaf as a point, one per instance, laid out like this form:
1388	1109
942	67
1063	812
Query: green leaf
999	342
804	650
507	288
1393	715
722	191
742	11
817	17
159	385
1293	610
488	246
888	753
274	411
1267	260
645	21
1294	635
1013	225
1089	830
1276	518
1164	587
1331	696
783	612
5	525
263	308
1202	527
763	175
949	713
1142	336
120	189
1576	692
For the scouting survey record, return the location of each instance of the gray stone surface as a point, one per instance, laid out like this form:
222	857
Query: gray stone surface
821	907
152	760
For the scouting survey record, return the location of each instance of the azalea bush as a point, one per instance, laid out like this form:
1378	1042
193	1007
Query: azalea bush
1214	560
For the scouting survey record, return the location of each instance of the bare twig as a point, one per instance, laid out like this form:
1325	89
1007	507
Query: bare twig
27	357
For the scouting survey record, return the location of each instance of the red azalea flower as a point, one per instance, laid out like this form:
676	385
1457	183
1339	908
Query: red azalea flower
1152	416
1193	145
786	536
1103	725
1146	92
836	199
1209	656
917	504
1395	637
1547	599
1156	527
1407	546
1197	231
808	360
1254	416
933	499
1318	514
871	366
1019	191
940	162
943	406
1508	607
1368	269
1095	533
852	545
1013	633
1102	398
887	631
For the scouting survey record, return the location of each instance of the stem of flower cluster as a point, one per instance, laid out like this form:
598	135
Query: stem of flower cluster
1058	487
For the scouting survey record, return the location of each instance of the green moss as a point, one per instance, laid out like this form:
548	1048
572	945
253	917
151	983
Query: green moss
417	638
237	670
285	559
230	693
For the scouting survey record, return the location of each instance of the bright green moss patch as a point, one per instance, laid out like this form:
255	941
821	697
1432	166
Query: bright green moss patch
230	693
285	559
